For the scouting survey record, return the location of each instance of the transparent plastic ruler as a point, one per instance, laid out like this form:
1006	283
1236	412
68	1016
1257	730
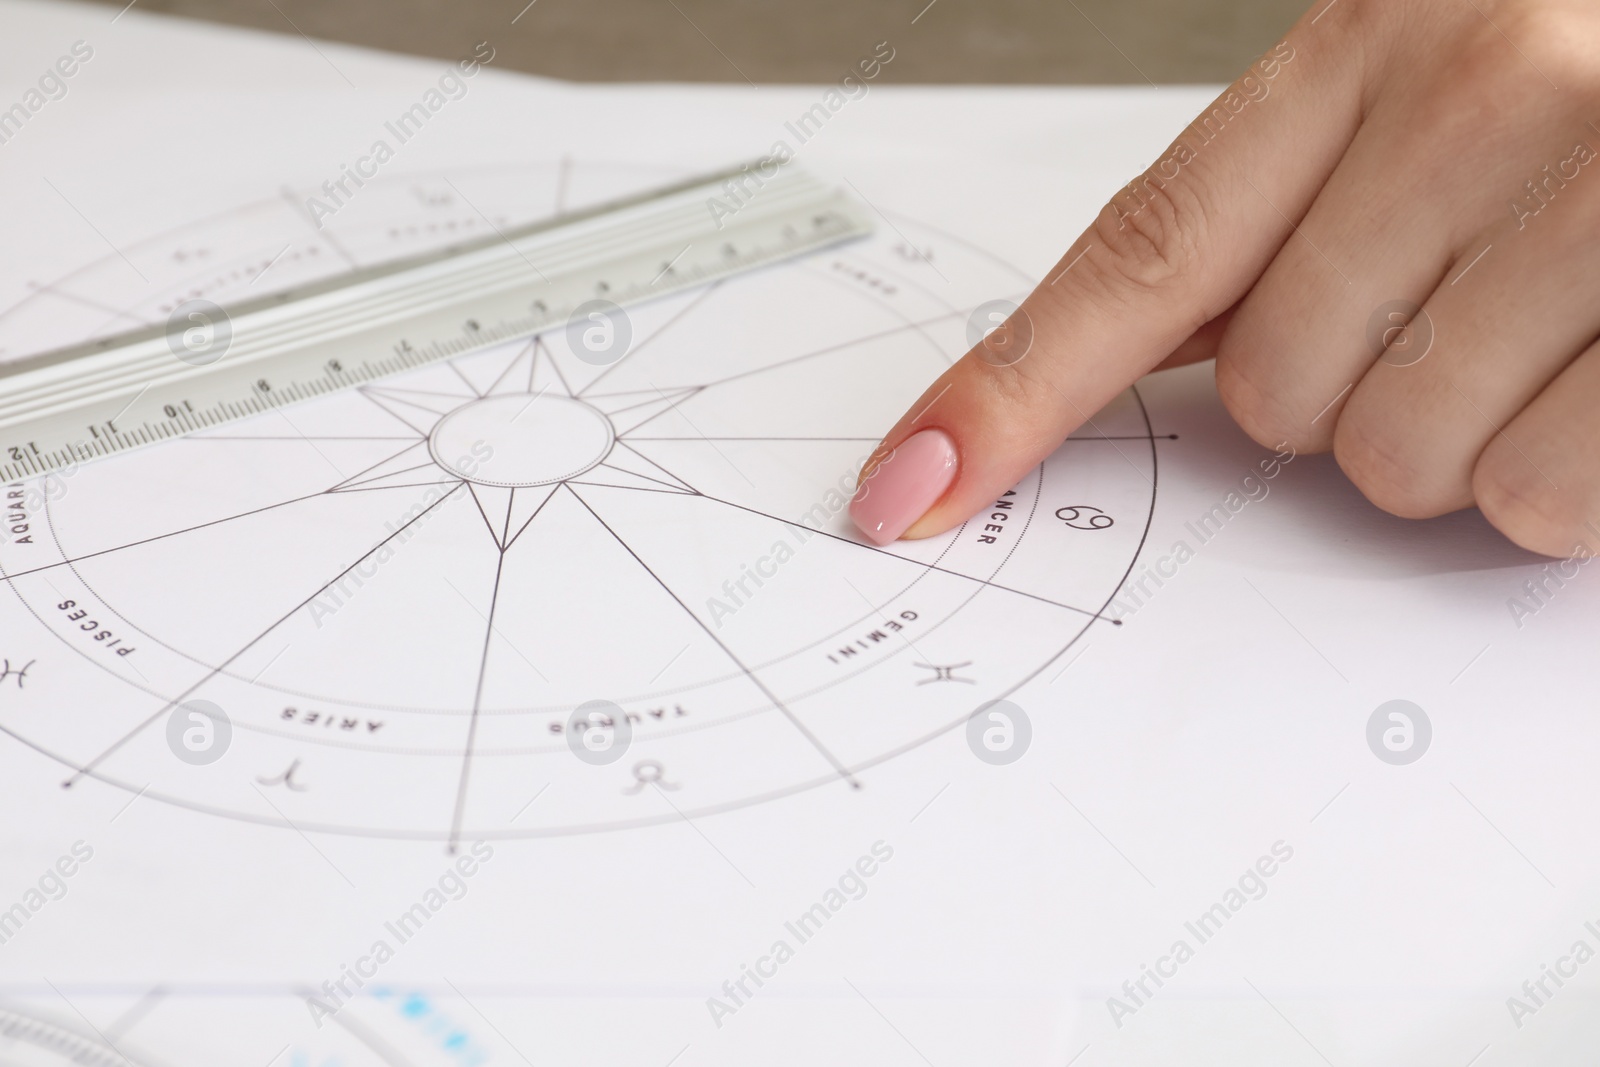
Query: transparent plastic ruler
208	365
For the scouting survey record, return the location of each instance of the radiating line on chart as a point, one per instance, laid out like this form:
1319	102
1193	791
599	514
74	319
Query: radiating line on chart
488	523
405	459
614	404
74	298
631	488
505	527
699	299
392	396
890	332
380	403
503	508
371	483
922	569
435	484
805	731
628	417
912	562
477	703
525	352
548	370
426	399
171	533
88	768
542	356
615	477
629	458
675	477
530	500
463	377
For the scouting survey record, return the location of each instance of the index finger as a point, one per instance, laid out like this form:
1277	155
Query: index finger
1177	247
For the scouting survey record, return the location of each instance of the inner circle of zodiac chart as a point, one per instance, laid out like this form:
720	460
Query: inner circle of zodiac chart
398	595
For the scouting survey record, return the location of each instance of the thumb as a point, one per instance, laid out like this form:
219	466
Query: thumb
1173	251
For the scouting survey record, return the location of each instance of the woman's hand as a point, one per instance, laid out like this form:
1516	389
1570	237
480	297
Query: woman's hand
1387	233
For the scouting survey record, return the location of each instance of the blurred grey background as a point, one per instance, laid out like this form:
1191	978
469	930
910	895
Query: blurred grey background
1006	41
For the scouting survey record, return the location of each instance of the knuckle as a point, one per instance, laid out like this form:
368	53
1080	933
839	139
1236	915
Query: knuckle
1524	506
1004	385
1011	387
1351	23
1021	388
1254	408
1386	473
1555	42
1489	84
1153	231
1498	73
1347	14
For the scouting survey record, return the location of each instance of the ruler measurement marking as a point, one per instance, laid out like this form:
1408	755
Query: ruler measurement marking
286	360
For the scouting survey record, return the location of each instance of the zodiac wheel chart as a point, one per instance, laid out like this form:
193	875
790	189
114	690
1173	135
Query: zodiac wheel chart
392	611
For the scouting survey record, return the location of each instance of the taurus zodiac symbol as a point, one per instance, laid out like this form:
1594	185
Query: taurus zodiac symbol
648	772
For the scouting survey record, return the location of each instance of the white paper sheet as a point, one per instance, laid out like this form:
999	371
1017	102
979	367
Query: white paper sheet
1219	727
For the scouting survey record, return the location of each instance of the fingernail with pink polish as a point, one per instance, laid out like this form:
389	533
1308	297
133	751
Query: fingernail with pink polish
902	488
